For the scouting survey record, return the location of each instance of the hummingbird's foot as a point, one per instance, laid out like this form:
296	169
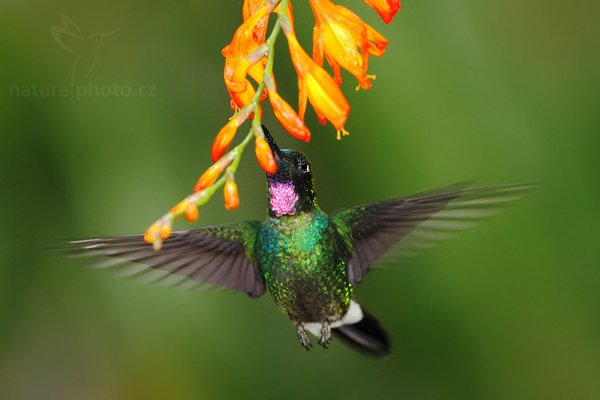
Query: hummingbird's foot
303	337
325	337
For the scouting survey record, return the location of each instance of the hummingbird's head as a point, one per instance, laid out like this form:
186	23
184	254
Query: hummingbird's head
291	188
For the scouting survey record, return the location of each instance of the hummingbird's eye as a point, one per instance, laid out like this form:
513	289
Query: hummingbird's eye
303	165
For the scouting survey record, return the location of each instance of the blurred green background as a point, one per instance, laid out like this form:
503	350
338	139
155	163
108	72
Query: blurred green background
501	91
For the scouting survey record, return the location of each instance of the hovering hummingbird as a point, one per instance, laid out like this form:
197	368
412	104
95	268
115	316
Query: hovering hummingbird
308	260
85	49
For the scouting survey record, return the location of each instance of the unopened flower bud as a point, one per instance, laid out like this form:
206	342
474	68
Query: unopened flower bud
265	157
224	139
150	234
191	213
208	178
165	230
230	194
180	207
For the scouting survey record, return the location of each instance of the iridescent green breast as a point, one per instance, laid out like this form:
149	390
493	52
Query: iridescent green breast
305	276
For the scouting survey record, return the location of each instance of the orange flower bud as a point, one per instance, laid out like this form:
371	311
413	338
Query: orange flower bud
385	8
288	118
148	238
191	213
165	231
208	178
150	234
265	157
230	193
224	139
180	207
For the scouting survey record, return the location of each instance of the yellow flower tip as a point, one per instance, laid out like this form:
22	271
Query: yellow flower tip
191	213
165	231
148	237
156	233
341	132
366	83
151	233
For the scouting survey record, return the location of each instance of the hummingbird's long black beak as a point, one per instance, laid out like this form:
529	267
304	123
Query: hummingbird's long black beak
274	148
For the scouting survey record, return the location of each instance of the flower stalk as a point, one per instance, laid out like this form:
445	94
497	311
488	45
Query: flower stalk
188	207
340	37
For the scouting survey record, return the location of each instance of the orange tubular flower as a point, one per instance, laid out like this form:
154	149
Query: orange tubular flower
288	118
230	194
264	155
315	84
250	8
385	8
345	39
237	64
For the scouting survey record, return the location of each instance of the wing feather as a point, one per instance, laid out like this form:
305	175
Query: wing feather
415	223
219	255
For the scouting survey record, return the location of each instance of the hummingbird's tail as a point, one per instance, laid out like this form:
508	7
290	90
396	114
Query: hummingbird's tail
366	335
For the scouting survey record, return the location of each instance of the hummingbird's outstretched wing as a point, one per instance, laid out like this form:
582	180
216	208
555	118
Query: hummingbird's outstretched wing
416	222
218	255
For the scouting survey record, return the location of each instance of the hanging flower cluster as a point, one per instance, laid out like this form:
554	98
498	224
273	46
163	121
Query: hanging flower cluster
340	37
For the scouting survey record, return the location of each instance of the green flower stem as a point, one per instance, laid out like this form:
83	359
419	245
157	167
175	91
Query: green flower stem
231	160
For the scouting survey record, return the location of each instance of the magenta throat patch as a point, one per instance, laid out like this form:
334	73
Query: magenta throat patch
282	198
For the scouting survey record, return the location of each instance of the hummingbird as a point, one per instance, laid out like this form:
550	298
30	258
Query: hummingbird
308	260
